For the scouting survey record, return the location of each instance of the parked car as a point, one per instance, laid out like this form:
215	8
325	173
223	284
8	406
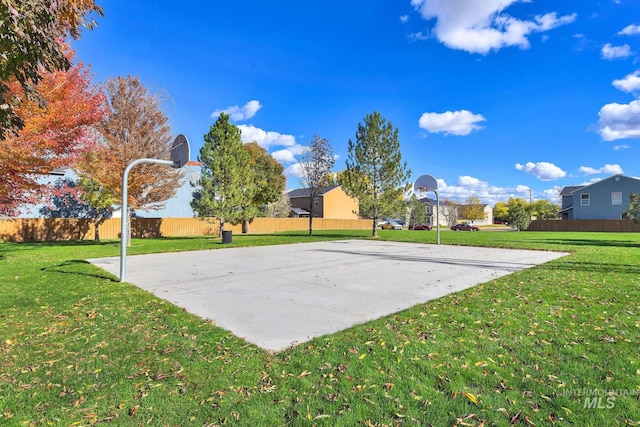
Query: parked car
392	225
420	227
464	227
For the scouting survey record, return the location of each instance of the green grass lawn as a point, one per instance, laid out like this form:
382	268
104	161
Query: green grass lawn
80	348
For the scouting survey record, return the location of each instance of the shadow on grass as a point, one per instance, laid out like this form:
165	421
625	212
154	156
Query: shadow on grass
593	267
591	242
8	247
71	267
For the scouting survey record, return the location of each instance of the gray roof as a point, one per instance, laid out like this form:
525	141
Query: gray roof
570	189
428	201
305	192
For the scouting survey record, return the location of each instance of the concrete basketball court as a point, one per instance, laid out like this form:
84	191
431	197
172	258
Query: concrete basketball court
276	296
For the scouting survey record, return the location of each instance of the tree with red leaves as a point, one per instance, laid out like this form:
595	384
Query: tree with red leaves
54	134
31	46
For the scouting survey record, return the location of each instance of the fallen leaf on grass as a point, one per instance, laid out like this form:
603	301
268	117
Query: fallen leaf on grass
471	397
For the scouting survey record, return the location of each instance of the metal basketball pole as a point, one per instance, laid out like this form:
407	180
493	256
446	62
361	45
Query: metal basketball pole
124	214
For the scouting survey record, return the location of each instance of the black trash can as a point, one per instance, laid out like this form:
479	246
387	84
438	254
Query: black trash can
227	237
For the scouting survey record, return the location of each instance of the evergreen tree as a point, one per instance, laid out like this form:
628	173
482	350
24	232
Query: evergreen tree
633	209
375	173
417	211
519	215
225	189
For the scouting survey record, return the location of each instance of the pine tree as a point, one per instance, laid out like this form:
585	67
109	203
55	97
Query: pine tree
519	213
633	209
417	211
225	188
375	173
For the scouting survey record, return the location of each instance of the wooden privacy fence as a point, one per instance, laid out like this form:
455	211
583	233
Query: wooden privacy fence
606	225
42	230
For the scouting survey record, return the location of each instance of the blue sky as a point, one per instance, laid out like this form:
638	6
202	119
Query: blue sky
491	97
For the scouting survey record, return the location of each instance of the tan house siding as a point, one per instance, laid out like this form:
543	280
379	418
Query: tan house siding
334	203
337	204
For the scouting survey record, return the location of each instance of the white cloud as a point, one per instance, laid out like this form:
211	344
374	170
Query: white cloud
284	156
544	171
606	169
611	169
587	170
266	138
294	171
621	147
418	36
461	122
236	113
553	194
616	52
288	155
404	18
619	121
471	182
630	30
631	83
481	26
468	186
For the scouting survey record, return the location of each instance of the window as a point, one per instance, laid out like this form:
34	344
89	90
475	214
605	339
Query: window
316	202
616	197
584	199
428	210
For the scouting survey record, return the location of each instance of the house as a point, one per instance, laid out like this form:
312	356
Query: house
566	207
332	202
430	209
452	214
605	199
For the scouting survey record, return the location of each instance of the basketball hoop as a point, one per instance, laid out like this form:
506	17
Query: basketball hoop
180	151
426	183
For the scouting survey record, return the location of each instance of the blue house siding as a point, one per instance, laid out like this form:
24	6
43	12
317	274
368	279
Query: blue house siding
600	200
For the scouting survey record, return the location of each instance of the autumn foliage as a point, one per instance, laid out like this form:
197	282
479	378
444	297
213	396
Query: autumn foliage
135	128
54	134
30	42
